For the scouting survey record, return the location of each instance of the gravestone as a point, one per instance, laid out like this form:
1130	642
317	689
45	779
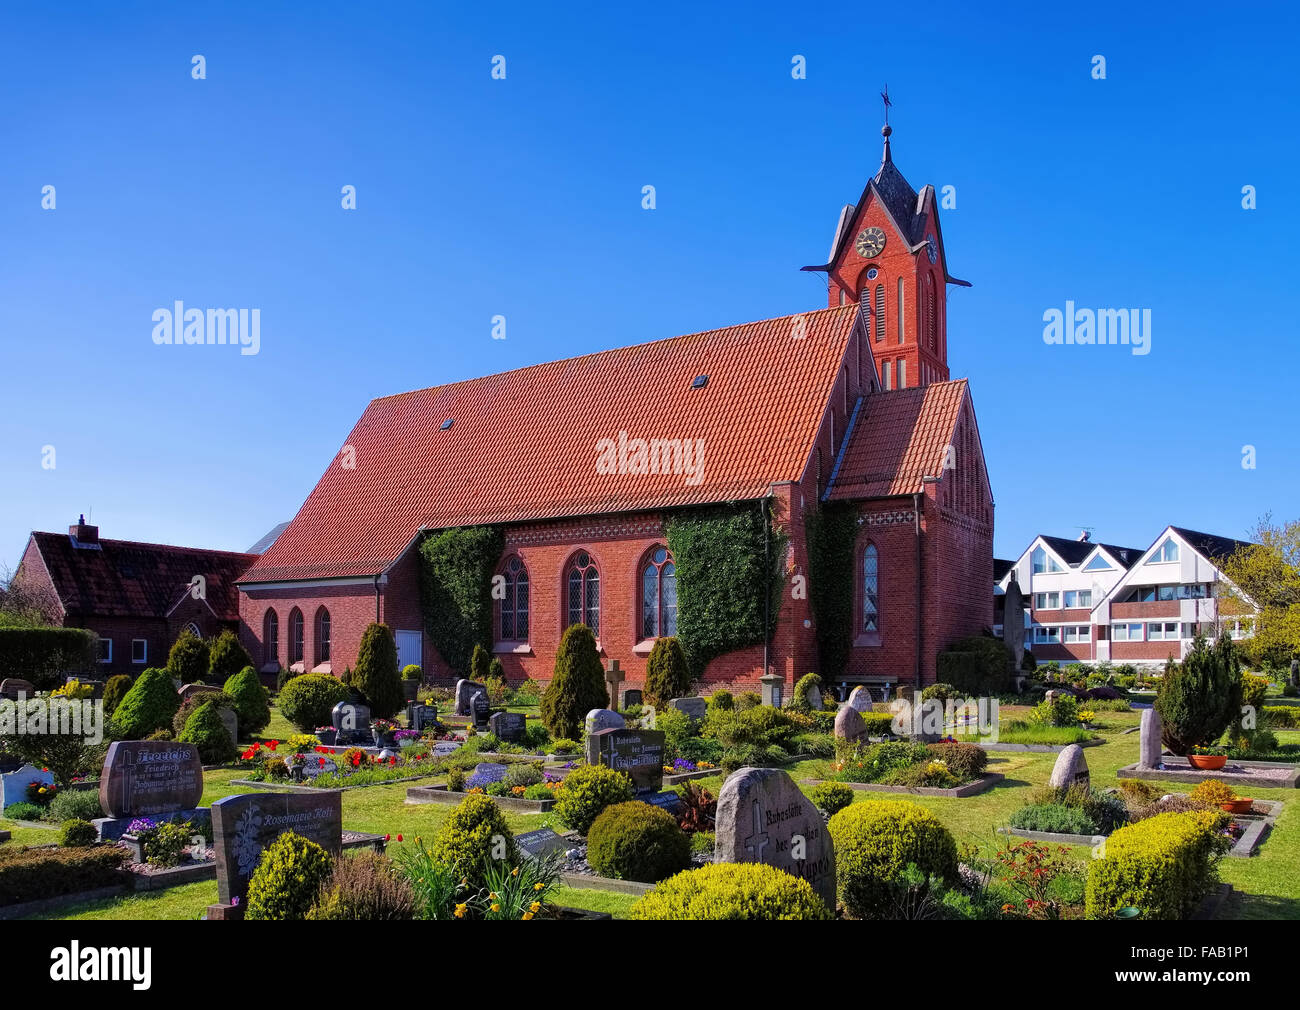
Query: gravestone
1150	746
13	786
484	774
465	691
441	748
764	818
860	699
773	689
317	764
639	753
508	726
245	825
696	708
597	720
541	842
1071	769
613	677
480	708
14	688
849	725
1013	622
1295	673
144	778
630	696
230	719
814	698
420	717
190	690
351	722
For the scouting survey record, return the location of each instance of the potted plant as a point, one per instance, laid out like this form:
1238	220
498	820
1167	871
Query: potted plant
411	677
382	730
1207	758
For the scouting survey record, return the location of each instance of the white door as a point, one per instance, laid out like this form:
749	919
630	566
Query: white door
410	649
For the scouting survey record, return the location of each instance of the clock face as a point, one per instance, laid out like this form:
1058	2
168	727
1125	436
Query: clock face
932	248
871	242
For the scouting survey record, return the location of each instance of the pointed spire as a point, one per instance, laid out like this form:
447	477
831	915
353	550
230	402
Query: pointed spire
886	130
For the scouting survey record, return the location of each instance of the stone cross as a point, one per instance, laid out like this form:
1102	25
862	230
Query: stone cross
613	677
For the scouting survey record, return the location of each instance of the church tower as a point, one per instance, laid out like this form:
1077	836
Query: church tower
888	255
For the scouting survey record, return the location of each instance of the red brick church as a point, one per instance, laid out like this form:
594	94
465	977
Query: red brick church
580	462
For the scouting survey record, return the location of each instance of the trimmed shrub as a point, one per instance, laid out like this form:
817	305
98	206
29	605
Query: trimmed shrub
24	811
977	666
586	791
188	659
1163	865
667	674
114	691
191	705
831	797
29	874
206	730
732	891
578	685
148	706
1253	690
469	836
722	700
939	692
283	676
637	841
375	674
965	760
879	723
412	671
1054	817
874	843
799	702
226	656
288	879
365	887
75	805
677	728
1280	716
480	664
76	834
1200	697
41	655
252	702
308	700
1212	792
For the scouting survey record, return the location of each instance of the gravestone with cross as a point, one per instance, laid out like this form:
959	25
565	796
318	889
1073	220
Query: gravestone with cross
763	817
613	677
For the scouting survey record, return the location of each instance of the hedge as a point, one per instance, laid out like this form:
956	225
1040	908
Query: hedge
43	655
32	874
1282	716
456	569
976	666
732	891
1163	865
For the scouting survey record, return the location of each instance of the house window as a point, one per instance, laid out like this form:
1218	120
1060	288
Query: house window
1047	601
1126	632
870	590
194	630
1162	631
902	374
1097	564
880	312
1044	562
659	596
139	651
271	638
106	650
1078	598
584	592
322	636
295	636
887	374
1047	635
1077	633
514	606
1168	551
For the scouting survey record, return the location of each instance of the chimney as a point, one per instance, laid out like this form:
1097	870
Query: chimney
82	533
1084	536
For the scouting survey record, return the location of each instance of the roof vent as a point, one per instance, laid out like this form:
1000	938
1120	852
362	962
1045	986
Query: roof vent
700	381
446	424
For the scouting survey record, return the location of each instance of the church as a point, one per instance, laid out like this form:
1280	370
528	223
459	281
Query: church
583	468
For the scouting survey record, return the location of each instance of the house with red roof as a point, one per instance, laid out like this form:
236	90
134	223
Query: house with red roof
581	462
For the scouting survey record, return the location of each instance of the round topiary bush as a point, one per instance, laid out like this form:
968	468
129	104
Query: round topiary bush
251	700
667	674
637	841
77	834
730	891
308	700
586	791
226	656
375	674
577	686
206	730
939	692
188	659
147	707
473	838
191	705
874	842
965	760
114	691
288	879
831	797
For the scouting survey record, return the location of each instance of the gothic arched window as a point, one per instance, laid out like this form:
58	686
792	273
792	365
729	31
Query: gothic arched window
295	636
322	636
659	595
271	637
514	605
870	590
584	592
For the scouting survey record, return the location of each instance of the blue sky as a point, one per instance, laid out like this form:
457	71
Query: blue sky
522	197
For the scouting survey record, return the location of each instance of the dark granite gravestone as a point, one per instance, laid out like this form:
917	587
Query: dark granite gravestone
508	726
763	817
14	688
541	842
695	708
465	691
421	717
351	722
190	690
480	708
630	696
142	778
245	825
637	752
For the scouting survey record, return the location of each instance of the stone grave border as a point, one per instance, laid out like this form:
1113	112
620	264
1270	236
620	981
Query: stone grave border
973	788
1037	748
4	835
1056	837
293	787
441	794
678	778
1187	774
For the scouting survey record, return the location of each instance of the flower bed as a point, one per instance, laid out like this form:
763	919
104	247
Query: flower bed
906	766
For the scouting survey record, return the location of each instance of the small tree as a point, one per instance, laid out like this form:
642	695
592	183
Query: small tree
252	700
667	674
188	660
226	657
1200	697
480	665
148	706
375	674
577	685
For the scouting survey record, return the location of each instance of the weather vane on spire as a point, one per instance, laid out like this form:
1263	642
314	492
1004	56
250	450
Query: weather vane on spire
885	97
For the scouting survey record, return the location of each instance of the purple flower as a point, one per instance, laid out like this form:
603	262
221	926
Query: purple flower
682	765
140	826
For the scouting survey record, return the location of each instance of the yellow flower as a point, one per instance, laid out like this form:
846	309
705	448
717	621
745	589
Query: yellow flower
527	916
538	887
496	907
460	911
493	895
514	872
536	906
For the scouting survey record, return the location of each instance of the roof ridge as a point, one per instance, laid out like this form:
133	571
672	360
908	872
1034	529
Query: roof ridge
146	543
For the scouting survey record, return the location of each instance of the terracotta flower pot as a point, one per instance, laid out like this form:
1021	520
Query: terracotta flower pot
1207	762
1238	806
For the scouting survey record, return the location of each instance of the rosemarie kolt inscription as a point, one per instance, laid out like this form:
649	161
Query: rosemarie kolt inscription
243	826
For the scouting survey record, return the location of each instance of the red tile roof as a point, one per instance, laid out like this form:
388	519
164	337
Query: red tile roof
128	579
898	437
523	445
